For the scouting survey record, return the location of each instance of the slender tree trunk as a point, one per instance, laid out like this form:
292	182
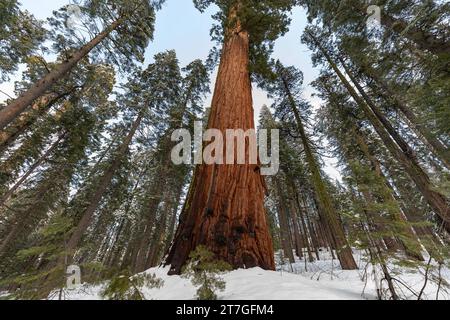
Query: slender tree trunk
309	224
4	245
172	223
423	39
30	170
129	257
103	185
163	174
329	240
114	251
436	200
315	243
300	215
19	105
344	251
19	223
412	246
378	257
150	223
299	236
427	137
226	211
41	106
381	117
114	247
283	217
321	234
427	236
158	235
390	241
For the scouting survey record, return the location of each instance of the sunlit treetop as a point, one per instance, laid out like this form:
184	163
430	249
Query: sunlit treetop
21	35
265	21
125	45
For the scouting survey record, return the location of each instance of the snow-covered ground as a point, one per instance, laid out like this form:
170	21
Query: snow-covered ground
321	280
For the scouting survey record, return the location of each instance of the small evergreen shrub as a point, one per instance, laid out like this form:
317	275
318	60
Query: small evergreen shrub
204	271
129	287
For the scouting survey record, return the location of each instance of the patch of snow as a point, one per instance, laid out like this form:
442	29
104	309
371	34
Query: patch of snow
319	280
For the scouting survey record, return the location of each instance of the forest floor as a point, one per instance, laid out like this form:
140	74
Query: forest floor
320	280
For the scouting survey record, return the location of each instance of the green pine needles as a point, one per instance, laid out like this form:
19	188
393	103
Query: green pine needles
205	271
126	286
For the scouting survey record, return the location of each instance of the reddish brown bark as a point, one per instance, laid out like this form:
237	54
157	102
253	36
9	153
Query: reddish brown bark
225	210
24	121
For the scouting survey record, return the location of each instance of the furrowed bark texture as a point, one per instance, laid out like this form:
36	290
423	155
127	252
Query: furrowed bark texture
225	210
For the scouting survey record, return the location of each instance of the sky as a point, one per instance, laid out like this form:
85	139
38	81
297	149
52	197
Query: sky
180	26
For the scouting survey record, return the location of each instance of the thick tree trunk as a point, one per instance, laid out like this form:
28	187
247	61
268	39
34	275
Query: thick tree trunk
436	200
344	251
226	209
19	105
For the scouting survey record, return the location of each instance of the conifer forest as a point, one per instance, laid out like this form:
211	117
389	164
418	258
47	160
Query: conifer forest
224	150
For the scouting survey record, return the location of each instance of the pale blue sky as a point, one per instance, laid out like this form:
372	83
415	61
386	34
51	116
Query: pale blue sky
181	27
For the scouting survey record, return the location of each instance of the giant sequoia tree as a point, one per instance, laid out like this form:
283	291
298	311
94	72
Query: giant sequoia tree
225	209
87	179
